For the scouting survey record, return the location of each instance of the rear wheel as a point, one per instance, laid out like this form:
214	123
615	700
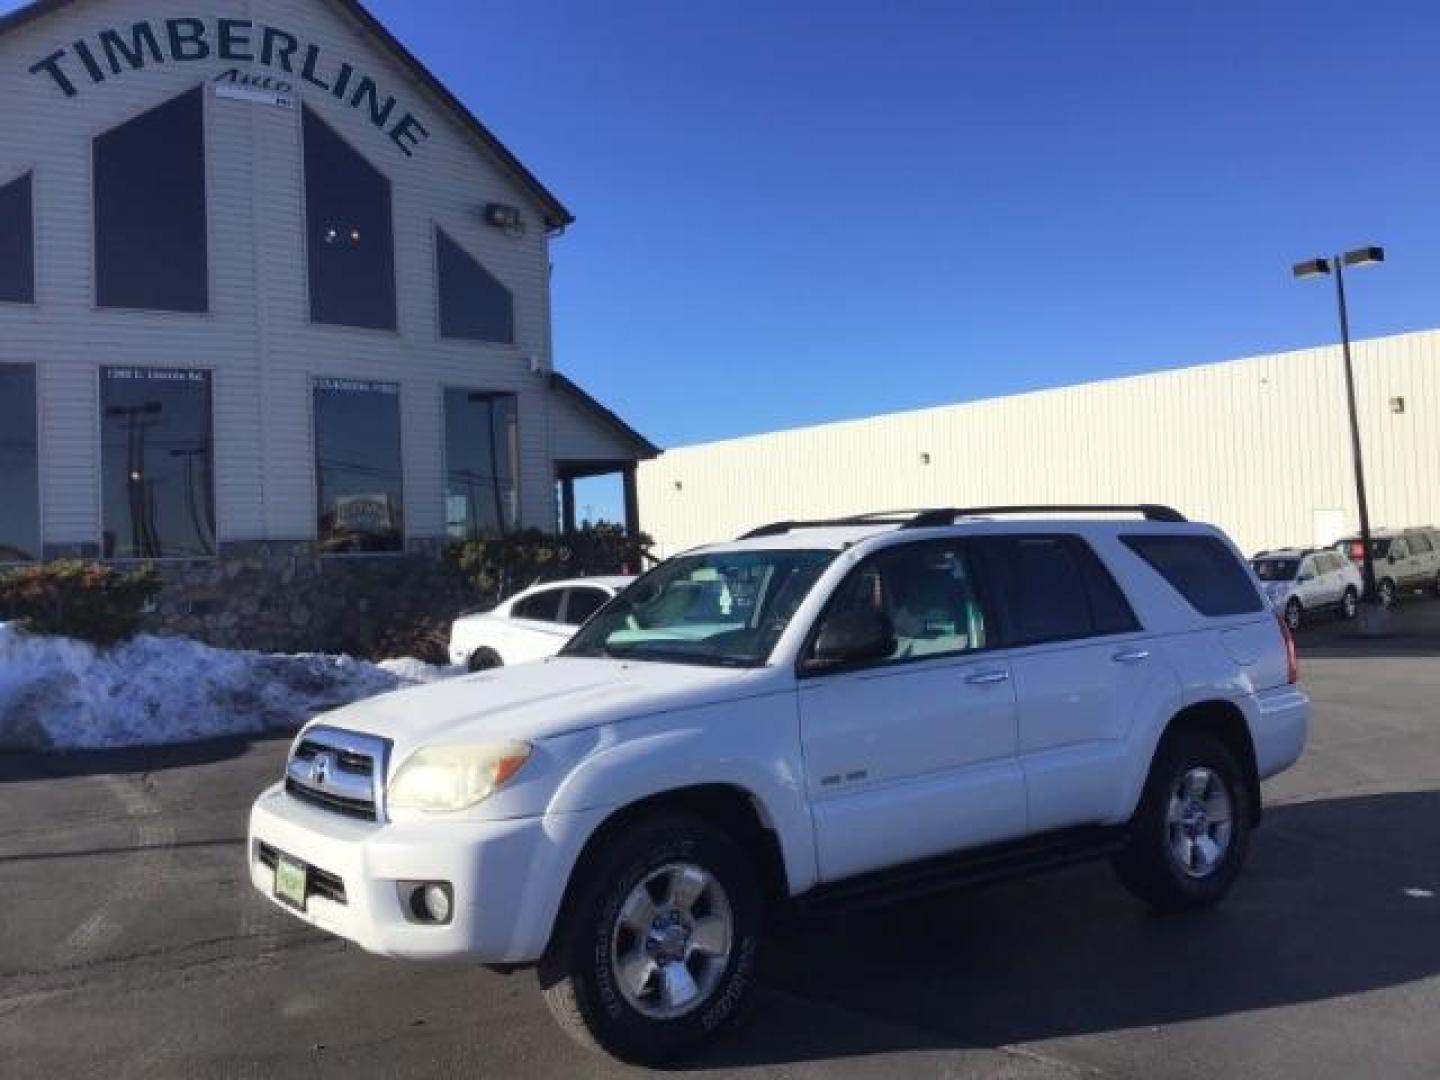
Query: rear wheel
485	659
658	946
1191	832
1350	603
1294	614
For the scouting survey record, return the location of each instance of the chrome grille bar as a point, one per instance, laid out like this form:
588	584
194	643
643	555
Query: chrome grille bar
341	771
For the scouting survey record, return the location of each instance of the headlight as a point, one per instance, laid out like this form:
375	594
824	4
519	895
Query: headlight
451	778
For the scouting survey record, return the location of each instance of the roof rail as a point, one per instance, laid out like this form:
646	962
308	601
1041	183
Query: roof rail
931	519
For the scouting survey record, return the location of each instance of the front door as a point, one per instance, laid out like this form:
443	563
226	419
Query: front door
914	754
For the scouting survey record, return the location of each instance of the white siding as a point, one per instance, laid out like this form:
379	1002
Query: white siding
257	337
1257	446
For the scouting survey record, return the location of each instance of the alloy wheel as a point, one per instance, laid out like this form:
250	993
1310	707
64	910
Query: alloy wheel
671	941
1199	822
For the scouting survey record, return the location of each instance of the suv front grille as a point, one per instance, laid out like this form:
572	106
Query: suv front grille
340	771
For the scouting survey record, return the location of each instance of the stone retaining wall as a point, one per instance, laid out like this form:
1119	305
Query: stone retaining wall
285	598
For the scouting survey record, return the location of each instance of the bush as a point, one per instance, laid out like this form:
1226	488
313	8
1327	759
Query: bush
501	566
89	601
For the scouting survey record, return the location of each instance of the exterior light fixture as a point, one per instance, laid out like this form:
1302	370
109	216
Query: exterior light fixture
1311	268
504	216
1397	405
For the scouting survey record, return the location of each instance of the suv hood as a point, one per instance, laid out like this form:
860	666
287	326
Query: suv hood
537	701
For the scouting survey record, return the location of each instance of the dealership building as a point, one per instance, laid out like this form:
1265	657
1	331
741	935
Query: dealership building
1260	446
269	291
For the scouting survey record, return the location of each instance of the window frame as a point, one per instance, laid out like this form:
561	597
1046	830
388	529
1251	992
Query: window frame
312	378
212	371
560	591
34	301
303	179
1070	541
92	249
983	593
39	458
446	388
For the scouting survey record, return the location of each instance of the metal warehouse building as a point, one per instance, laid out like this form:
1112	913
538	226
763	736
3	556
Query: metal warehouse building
266	286
1259	446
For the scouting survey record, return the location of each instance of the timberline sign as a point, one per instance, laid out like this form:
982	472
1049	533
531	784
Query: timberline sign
229	41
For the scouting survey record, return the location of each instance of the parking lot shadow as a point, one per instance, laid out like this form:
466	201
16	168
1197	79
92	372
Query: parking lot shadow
35	765
1414	630
1322	911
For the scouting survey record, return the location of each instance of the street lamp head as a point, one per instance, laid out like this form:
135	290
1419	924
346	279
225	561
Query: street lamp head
1312	268
1366	256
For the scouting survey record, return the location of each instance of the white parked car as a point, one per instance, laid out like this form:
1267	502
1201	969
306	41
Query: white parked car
1406	560
531	625
813	716
1301	583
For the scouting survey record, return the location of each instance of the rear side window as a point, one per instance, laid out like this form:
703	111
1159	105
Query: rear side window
582	604
543	607
1202	570
1054	588
1420	544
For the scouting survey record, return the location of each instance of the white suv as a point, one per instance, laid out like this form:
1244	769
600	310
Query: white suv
1300	583
816	715
1406	560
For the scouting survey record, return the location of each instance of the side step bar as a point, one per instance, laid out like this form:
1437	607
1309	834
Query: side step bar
999	862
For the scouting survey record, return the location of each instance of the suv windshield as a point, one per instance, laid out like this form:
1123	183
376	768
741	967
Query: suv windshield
1276	569
718	609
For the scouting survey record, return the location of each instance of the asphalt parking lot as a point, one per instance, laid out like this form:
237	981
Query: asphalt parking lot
131	944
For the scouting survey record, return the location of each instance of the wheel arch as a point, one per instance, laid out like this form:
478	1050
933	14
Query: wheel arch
1225	721
736	810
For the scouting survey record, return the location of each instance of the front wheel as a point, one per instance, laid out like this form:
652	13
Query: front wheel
1387	593
658	946
1294	614
1350	604
1191	832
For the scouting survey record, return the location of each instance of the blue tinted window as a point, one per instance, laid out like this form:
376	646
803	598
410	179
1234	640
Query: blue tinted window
1202	570
151	251
357	452
17	242
351	241
474	305
156	460
19	465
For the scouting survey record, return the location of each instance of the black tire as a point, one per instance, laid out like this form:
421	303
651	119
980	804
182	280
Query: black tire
1294	614
485	660
1148	866
1388	593
1350	603
578	977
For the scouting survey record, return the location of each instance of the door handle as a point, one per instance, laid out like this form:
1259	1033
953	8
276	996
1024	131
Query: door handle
988	678
1131	656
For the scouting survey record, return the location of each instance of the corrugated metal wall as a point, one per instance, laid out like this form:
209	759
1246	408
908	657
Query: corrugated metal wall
257	338
1258	446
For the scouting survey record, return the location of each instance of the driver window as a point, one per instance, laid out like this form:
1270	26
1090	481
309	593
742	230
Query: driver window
926	591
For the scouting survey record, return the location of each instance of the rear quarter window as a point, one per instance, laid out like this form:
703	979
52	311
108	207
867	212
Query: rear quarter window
1202	570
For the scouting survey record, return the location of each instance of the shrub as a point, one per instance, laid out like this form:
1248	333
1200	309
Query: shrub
90	601
497	567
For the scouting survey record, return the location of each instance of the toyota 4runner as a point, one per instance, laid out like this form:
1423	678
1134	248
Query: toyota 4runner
817	715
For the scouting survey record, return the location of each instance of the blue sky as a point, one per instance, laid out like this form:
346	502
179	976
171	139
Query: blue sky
793	211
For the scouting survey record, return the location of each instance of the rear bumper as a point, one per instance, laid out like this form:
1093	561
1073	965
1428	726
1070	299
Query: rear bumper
1279	728
507	877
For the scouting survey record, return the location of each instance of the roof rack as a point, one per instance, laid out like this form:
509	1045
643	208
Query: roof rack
938	518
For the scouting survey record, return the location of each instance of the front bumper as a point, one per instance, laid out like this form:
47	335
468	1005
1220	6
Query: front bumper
508	877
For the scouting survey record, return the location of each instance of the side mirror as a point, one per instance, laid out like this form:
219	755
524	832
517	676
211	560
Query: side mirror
1303	578
853	637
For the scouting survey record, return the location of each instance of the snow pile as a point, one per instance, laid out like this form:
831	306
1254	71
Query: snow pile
60	694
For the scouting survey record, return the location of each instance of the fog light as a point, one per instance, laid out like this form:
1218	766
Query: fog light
436	899
430	902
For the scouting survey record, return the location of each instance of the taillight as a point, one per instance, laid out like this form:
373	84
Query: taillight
1292	659
1357	552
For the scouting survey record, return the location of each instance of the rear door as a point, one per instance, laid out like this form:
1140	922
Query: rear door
1083	673
536	630
912	755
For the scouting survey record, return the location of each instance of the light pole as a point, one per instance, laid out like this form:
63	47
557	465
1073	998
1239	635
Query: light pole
1372	612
